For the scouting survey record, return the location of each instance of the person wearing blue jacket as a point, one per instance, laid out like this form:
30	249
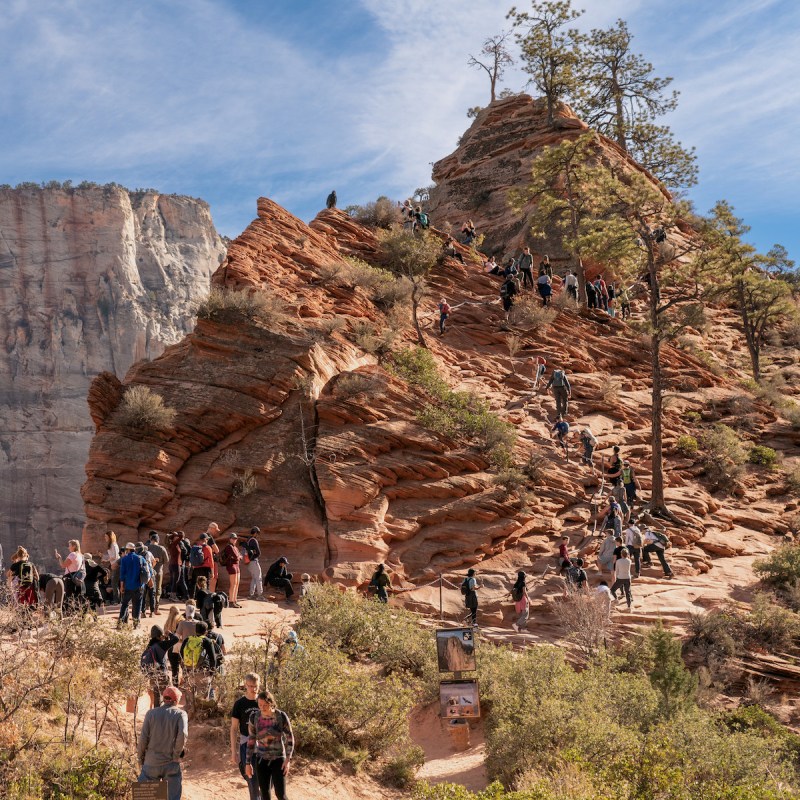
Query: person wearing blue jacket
132	577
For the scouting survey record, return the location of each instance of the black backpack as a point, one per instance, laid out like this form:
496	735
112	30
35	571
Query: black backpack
150	662
465	587
516	593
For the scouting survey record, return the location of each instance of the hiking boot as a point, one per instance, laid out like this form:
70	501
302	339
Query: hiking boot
135	624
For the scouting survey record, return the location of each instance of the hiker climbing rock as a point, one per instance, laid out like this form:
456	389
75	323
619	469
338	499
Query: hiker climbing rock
507	293
561	430
589	442
656	542
562	391
444	314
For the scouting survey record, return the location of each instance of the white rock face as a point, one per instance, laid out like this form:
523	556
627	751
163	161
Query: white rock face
90	280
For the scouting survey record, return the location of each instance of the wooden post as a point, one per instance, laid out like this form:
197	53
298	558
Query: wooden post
441	607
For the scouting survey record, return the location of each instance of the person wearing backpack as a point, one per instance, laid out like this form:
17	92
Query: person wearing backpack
469	589
154	663
199	658
229	558
133	575
576	577
629	481
162	741
148	592
561	430
379	584
24	578
218	643
634	541
507	293
161	556
656	542
96	576
177	585
421	219
444	314
589	442
522	603
562	391
253	566
74	573
270	746
201	559
605	555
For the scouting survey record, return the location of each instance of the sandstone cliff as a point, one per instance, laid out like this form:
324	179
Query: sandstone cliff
287	422
90	280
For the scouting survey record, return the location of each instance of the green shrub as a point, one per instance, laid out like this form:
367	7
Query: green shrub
374	339
686	445
792	481
232	306
763	456
352	384
781	567
512	479
693	416
401	770
455	414
141	409
330	325
723	455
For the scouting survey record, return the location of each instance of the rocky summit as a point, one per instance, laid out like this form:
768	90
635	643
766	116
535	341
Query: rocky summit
289	423
91	279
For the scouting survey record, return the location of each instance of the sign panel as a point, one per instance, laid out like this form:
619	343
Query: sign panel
455	649
149	790
459	699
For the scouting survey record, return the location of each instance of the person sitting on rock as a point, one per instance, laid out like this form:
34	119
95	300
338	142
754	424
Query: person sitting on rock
279	577
450	249
491	267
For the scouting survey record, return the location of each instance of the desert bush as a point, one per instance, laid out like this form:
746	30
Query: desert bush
792	414
723	455
686	445
380	213
232	306
609	389
530	314
585	619
351	384
330	325
763	456
141	409
244	484
781	567
792	481
455	414
693	416
512	479
536	468
401	770
374	339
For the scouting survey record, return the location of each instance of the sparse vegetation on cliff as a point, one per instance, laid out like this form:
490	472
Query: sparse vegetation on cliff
143	410
231	306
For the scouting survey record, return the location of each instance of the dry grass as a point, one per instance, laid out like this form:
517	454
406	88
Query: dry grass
142	409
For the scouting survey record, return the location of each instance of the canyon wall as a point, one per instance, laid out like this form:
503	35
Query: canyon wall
91	280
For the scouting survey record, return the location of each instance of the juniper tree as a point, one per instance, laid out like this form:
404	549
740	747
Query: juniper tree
549	49
754	283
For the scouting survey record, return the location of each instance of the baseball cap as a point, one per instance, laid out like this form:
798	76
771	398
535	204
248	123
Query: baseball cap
204	536
232	536
255	529
172	693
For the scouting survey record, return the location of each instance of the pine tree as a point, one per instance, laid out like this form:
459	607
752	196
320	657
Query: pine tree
754	283
617	94
669	676
494	58
549	49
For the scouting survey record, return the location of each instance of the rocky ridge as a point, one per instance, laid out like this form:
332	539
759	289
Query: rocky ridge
90	280
341	474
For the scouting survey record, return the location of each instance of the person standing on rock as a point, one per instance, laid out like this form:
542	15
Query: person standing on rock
379	584
545	268
240	717
229	558
270	746
507	293
161	556
544	286
522	603
525	264
254	567
111	562
539	368
571	285
605	555
201	558
624	302
622	577
634	542
589	442
211	532
132	579
96	577
629	481
74	572
177	583
331	201
279	577
562	391
591	295
162	741
469	588
444	314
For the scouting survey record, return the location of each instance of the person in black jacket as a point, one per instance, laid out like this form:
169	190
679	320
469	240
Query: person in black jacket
279	577
154	661
96	576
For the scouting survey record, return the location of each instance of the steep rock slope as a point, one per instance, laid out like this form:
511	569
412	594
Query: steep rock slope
90	280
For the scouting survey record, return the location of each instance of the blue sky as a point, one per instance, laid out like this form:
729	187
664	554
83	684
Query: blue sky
231	99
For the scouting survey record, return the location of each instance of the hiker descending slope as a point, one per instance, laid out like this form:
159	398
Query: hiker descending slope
562	391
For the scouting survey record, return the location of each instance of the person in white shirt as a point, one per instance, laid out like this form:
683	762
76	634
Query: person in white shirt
652	544
634	542
622	577
604	596
571	285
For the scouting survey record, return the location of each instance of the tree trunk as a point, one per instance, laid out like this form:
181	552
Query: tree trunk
619	113
657	494
417	328
749	334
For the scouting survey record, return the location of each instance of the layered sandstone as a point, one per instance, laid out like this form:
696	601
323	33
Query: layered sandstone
90	280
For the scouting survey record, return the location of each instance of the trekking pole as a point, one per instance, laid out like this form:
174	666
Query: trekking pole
441	610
